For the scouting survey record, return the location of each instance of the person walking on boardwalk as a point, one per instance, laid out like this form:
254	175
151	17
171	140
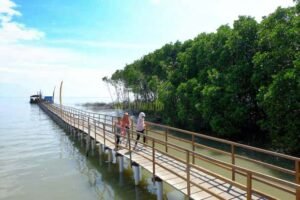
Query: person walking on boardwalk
118	131
140	128
125	126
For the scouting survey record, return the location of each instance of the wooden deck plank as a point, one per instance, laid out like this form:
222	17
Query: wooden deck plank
201	195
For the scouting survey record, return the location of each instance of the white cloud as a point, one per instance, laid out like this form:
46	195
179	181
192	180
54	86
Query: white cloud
7	8
11	31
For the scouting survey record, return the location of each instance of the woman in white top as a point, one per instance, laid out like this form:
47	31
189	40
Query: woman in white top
140	128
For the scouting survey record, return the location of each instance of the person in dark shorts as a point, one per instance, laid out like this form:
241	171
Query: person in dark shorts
118	131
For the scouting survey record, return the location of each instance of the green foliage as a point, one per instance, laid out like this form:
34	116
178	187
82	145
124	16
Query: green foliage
241	82
281	102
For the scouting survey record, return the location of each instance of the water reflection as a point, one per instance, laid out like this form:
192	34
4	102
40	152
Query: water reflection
104	176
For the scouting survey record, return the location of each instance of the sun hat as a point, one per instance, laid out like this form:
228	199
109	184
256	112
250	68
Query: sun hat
142	114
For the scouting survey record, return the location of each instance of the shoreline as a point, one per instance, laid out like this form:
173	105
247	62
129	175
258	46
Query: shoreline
97	105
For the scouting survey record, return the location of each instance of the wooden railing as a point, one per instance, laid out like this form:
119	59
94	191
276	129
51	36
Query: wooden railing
160	139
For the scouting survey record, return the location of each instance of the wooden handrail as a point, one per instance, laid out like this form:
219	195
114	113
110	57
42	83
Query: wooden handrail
226	141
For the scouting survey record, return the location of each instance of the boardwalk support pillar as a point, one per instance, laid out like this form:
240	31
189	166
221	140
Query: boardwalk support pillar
101	149
121	162
136	173
159	188
81	138
109	155
114	157
93	144
74	132
77	134
88	142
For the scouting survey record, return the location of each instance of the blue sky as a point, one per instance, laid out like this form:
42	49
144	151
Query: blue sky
44	42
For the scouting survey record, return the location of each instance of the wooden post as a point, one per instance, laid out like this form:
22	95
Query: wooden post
131	128
232	162
104	136
166	140
95	132
129	142
193	148
249	186
82	122
78	121
188	174
146	134
153	159
70	118
88	140
113	127
88	121
297	170
74	120
115	135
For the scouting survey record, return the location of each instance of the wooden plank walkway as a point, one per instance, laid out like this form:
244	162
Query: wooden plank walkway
192	180
221	188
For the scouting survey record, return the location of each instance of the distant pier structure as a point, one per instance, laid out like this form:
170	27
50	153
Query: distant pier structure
35	98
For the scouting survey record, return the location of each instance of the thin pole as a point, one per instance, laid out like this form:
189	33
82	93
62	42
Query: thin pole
249	185
104	136
153	158
60	94
193	147
166	140
188	173
233	162
297	170
130	156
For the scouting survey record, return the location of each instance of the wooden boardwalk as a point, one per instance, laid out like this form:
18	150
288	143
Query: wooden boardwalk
180	168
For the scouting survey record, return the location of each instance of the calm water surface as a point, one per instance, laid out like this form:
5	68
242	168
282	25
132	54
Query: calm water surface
39	161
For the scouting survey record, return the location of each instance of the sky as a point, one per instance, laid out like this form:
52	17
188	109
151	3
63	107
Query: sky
79	42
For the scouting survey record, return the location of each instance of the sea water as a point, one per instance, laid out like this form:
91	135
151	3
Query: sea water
38	160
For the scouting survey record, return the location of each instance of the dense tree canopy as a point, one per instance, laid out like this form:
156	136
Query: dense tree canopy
240	82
